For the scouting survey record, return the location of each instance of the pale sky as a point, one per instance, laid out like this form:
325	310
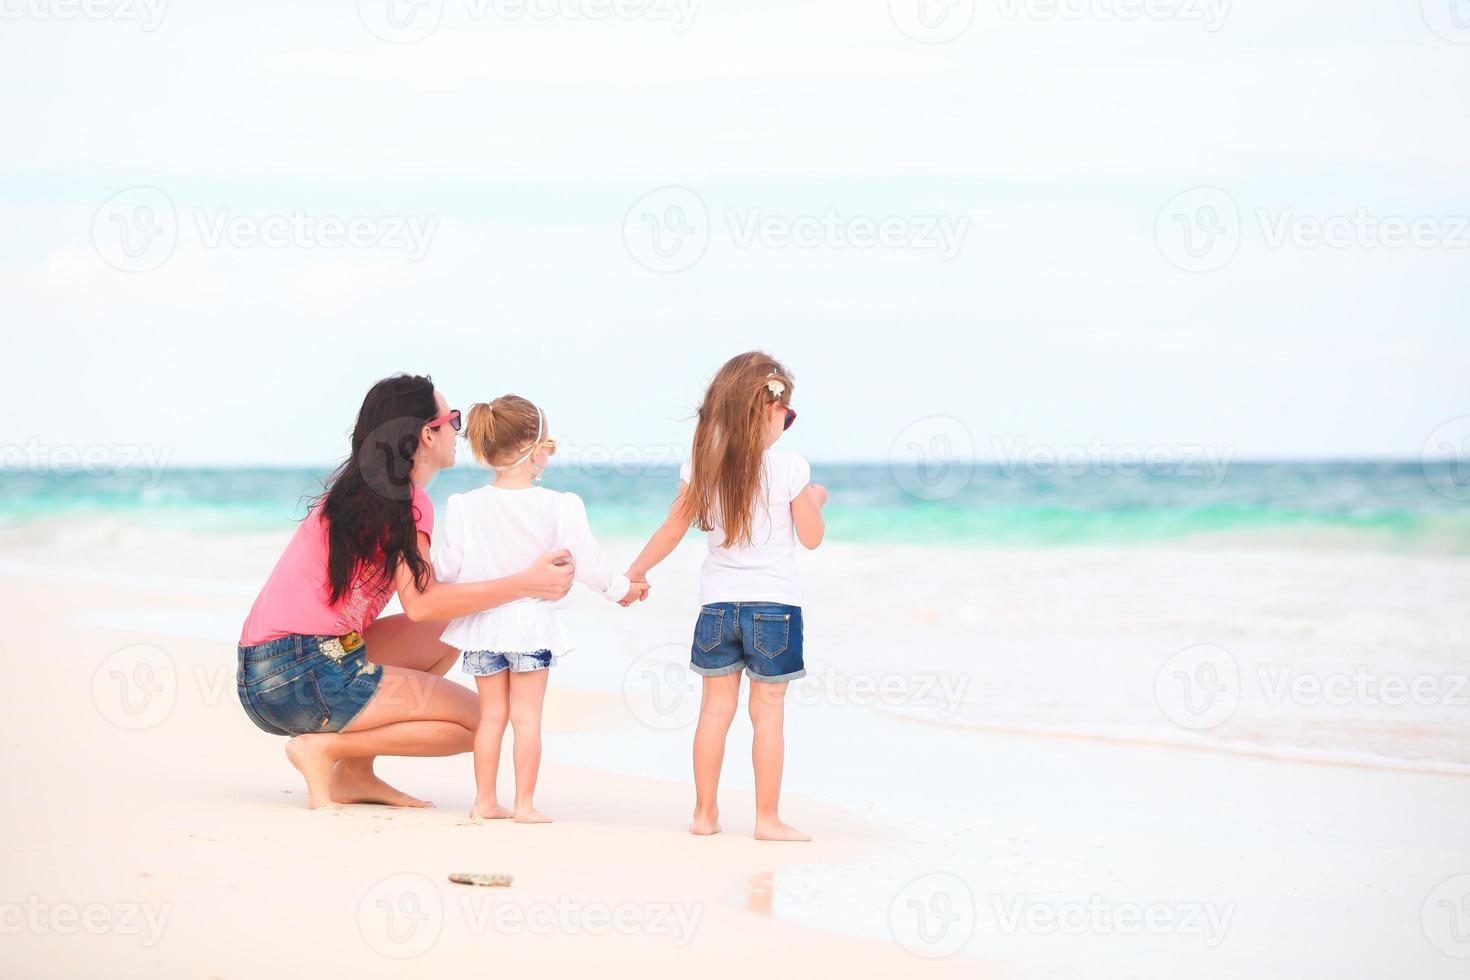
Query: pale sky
1048	145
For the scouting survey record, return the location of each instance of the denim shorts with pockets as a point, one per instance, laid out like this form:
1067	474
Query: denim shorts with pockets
297	685
762	638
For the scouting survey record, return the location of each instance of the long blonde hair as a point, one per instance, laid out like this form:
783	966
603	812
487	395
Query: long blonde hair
730	442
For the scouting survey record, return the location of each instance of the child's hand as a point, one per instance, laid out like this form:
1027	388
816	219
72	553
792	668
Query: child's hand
819	494
637	593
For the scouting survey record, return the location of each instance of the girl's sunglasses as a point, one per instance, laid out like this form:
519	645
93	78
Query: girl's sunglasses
790	418
452	417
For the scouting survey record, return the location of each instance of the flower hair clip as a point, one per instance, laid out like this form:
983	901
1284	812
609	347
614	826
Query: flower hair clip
775	385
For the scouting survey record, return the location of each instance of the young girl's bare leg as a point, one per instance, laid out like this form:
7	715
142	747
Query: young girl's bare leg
716	711
494	712
768	753
527	693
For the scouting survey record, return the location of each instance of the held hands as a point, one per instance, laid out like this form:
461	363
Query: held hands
551	576
637	593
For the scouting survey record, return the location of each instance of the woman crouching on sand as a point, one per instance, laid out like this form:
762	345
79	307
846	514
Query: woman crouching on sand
317	662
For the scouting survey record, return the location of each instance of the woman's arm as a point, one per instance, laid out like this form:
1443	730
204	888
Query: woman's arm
806	514
545	579
665	539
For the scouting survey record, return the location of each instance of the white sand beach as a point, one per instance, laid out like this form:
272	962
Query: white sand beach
990	773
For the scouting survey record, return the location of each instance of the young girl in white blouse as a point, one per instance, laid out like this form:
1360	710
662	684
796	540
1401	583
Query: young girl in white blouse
509	649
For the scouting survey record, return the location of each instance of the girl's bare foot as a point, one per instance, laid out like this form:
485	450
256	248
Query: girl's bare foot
529	814
774	829
353	781
704	826
490	811
309	754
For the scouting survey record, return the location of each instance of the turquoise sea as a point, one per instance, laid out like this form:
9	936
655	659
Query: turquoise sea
1393	506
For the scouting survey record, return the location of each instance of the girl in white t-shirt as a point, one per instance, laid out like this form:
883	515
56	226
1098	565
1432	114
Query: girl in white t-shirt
755	502
509	649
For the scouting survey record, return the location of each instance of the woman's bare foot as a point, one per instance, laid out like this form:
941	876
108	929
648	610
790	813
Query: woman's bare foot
774	829
311	756
490	811
353	781
705	825
529	814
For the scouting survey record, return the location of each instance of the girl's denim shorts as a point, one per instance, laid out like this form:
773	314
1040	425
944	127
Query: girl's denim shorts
762	638
299	685
486	663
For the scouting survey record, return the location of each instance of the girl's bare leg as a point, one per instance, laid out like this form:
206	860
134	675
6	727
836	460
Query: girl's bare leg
768	754
393	641
412	714
527	692
716	711
494	712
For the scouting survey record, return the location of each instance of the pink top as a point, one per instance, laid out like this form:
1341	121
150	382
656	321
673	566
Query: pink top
297	596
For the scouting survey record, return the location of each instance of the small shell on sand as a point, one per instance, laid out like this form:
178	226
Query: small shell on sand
484	880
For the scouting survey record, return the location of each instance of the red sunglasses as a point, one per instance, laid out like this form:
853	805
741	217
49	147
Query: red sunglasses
790	418
452	417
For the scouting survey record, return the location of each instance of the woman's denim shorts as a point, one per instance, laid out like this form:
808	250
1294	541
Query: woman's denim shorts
762	638
298	685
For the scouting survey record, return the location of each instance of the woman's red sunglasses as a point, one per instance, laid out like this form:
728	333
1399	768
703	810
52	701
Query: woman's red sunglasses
452	417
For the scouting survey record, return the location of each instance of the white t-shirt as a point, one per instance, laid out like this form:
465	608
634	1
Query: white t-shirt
491	533
764	570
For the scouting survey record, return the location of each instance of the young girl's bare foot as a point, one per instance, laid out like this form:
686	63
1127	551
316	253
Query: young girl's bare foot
490	811
705	825
774	829
353	781
529	814
309	754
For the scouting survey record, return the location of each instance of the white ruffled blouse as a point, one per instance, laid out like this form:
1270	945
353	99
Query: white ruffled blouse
491	533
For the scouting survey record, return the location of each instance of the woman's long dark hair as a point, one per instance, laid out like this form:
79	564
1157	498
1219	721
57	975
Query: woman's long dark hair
368	502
